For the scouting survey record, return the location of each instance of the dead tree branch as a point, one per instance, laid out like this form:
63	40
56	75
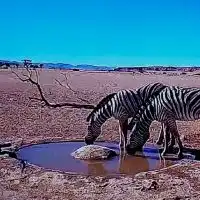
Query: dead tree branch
70	88
29	78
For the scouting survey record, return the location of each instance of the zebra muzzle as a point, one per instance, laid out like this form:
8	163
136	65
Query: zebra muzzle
89	141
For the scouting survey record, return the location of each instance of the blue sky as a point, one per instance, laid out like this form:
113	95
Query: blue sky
101	32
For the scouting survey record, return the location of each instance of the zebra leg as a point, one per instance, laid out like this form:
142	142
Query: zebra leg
123	134
161	135
174	132
166	131
172	142
121	140
168	137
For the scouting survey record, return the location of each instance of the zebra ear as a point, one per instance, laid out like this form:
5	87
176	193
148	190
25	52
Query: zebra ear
89	117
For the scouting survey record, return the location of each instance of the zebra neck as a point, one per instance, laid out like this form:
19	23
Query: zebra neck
147	116
101	117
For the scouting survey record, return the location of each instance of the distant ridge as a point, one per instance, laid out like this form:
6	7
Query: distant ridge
100	68
60	66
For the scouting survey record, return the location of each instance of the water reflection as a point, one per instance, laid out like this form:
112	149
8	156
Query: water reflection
97	168
133	164
125	164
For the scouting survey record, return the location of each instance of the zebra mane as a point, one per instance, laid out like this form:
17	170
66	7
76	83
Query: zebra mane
100	104
146	103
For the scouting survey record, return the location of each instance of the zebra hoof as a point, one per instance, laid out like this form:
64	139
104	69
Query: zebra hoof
130	151
180	156
88	141
171	149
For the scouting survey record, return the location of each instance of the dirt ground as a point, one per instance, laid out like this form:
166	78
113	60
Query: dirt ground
24	121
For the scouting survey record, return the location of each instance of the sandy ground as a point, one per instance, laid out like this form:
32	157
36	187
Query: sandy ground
25	121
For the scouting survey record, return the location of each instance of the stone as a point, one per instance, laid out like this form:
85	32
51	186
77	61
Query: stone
93	152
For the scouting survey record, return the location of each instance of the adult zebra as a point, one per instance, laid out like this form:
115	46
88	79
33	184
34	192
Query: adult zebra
122	106
173	103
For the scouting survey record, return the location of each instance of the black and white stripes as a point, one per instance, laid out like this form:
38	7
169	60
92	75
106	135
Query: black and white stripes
121	105
173	103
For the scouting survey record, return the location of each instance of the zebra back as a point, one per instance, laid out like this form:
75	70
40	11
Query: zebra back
143	94
152	90
174	99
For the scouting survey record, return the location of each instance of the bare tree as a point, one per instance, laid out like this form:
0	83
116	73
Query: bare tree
32	77
67	86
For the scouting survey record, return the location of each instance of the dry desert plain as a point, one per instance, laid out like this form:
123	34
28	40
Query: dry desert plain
25	121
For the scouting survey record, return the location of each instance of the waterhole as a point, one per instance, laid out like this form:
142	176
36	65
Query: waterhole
57	156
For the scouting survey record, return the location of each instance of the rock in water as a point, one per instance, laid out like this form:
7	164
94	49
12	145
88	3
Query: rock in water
93	152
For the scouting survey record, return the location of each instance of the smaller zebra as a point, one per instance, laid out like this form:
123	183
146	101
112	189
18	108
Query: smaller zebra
173	103
160	139
122	106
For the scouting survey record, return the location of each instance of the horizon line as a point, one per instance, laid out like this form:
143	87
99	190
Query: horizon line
99	65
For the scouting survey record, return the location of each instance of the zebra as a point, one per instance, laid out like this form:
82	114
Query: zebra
121	105
171	104
160	139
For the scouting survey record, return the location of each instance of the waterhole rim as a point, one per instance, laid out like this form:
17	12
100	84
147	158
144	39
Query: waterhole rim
152	146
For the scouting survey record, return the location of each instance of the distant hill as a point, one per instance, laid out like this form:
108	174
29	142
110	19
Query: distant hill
80	67
58	66
6	63
157	68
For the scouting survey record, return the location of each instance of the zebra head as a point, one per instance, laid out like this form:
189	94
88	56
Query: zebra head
94	130
140	130
93	133
137	141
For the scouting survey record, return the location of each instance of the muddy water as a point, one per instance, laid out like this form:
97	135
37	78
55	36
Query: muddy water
56	156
